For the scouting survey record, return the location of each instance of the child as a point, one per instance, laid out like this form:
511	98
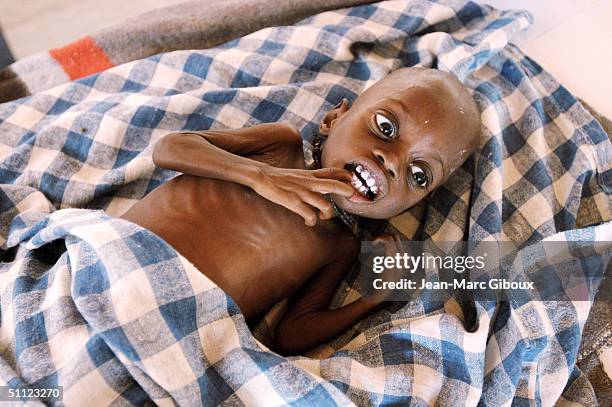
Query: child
248	214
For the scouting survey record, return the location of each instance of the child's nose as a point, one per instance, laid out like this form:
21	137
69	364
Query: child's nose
389	161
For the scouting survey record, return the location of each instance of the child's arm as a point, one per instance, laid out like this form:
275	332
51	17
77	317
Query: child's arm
220	153
252	157
309	322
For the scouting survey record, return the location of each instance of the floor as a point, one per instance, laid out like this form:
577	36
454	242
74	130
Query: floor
570	38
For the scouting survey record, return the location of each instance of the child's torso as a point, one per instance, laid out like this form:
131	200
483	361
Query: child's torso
255	250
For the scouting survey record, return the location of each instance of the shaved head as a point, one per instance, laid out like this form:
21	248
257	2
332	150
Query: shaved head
457	105
410	131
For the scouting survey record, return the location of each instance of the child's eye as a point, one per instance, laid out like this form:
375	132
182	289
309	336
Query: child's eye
418	175
386	126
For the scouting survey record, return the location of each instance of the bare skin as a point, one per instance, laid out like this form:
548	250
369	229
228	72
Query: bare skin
249	215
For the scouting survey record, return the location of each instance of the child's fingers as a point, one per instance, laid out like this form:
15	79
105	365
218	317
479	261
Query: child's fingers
333	173
294	202
319	202
331	186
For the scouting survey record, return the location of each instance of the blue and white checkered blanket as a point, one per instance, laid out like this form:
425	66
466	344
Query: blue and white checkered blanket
113	314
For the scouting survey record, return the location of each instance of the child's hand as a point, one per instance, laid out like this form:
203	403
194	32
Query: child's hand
301	191
392	245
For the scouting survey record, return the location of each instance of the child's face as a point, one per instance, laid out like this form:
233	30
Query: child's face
399	145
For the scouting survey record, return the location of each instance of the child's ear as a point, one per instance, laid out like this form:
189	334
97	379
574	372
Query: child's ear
328	121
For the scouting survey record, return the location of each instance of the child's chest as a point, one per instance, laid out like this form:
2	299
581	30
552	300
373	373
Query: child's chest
255	250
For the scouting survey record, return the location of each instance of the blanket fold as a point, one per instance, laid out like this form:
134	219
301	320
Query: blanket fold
113	314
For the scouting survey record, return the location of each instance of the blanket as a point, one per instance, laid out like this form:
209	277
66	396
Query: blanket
189	25
113	314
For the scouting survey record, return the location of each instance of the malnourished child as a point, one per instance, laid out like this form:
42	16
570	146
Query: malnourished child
248	214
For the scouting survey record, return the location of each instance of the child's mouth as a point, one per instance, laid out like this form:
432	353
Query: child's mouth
364	182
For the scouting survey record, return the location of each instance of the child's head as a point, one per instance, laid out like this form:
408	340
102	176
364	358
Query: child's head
401	139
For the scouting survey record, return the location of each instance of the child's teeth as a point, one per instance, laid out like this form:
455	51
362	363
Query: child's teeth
368	185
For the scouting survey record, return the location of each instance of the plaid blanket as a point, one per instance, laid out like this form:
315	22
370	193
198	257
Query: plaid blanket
189	25
113	314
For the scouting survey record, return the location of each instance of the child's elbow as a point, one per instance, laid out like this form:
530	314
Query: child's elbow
162	152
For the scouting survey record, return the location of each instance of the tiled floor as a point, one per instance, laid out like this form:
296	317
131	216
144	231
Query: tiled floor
571	38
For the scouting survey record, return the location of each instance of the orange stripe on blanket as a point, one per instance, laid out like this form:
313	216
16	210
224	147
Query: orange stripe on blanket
81	58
